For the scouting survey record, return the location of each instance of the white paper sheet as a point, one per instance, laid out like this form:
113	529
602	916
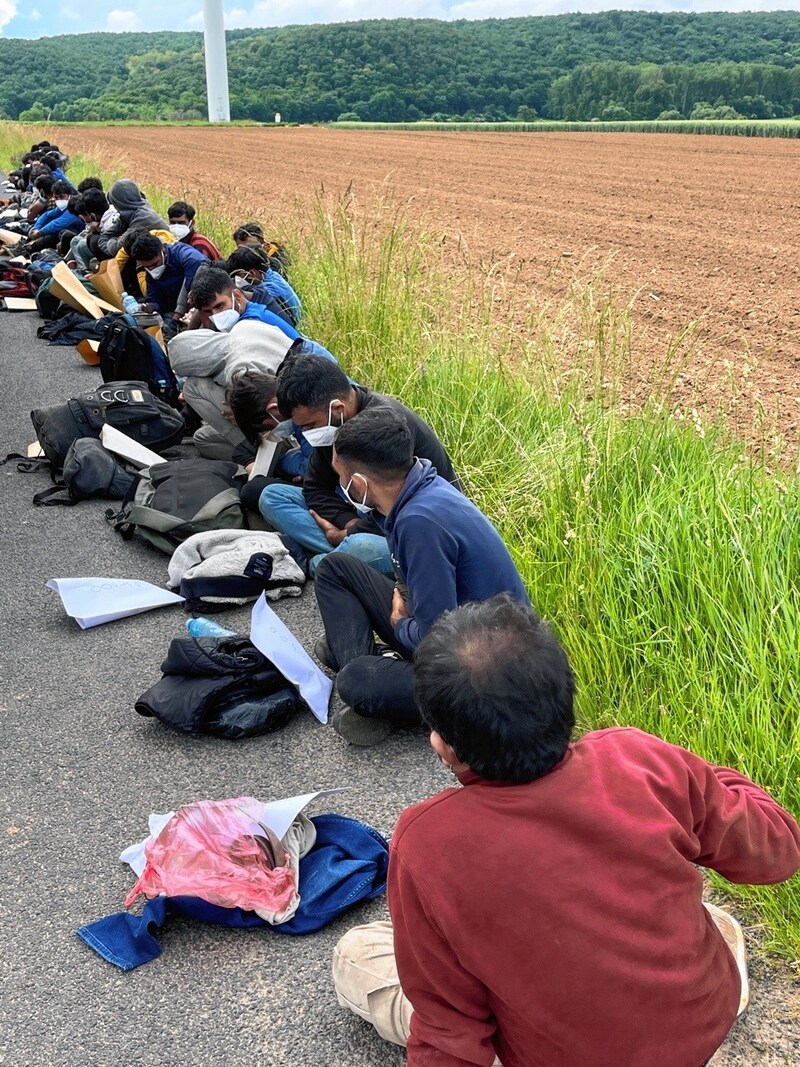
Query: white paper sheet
263	460
276	641
114	440
278	815
93	601
19	303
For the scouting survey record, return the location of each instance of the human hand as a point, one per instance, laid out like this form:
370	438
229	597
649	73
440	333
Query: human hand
334	535
399	608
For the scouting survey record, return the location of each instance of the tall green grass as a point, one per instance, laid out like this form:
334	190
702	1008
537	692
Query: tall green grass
664	552
665	556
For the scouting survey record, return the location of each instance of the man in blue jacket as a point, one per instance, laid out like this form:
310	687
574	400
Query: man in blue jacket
444	550
170	272
64	216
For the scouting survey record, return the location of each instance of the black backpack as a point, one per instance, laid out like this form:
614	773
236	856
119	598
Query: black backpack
128	352
89	471
128	406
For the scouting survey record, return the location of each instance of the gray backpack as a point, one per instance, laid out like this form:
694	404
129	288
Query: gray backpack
178	498
89	471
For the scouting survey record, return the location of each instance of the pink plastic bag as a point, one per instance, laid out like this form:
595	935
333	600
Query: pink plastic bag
218	851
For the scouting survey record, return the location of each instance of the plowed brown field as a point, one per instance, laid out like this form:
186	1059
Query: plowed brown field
685	229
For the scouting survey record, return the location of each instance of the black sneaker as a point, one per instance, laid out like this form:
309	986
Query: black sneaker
325	656
359	730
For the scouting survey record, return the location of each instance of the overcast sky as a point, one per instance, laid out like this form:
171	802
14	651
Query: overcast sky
47	17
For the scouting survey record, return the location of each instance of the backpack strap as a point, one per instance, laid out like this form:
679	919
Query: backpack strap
48	499
27	465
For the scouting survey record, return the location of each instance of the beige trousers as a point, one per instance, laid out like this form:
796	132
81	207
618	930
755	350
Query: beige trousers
366	981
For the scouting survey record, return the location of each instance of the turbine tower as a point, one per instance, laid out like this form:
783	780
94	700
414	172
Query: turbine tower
219	107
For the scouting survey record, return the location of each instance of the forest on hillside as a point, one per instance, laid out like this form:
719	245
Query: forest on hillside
613	65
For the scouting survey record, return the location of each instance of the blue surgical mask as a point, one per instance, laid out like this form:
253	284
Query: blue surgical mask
362	507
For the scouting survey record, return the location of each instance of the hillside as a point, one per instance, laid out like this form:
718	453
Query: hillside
565	66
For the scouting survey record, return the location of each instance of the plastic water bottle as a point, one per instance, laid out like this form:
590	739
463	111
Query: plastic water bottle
130	305
207	628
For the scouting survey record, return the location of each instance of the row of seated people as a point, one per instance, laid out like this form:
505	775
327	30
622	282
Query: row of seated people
547	909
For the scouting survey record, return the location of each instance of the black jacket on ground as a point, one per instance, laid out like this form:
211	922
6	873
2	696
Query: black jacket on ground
204	675
321	480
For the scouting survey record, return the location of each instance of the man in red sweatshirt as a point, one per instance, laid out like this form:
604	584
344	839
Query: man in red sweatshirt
550	911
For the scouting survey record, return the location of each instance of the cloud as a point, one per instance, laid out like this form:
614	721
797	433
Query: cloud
8	9
34	15
119	21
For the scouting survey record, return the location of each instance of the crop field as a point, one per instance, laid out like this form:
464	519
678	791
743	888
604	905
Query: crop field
696	236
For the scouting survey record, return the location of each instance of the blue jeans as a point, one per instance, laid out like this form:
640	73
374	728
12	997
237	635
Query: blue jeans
284	507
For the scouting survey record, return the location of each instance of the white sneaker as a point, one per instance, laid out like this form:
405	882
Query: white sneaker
734	938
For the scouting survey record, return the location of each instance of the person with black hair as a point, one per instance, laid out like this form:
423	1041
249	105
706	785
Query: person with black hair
251	235
445	552
42	200
252	273
251	397
220	305
90	183
54	161
170	269
95	207
319	398
63	217
550	910
181	223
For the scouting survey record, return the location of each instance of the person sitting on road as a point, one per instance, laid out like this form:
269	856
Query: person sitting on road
251	234
132	215
252	273
170	273
181	222
43	198
319	398
54	161
90	183
253	401
219	305
64	216
95	207
208	359
550	910
445	553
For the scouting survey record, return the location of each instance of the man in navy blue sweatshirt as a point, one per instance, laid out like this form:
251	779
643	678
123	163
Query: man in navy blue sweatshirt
445	553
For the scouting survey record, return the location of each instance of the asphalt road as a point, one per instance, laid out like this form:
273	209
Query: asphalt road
81	771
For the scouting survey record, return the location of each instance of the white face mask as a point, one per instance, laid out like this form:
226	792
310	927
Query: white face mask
226	320
180	229
61	204
240	282
323	436
363	508
156	272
